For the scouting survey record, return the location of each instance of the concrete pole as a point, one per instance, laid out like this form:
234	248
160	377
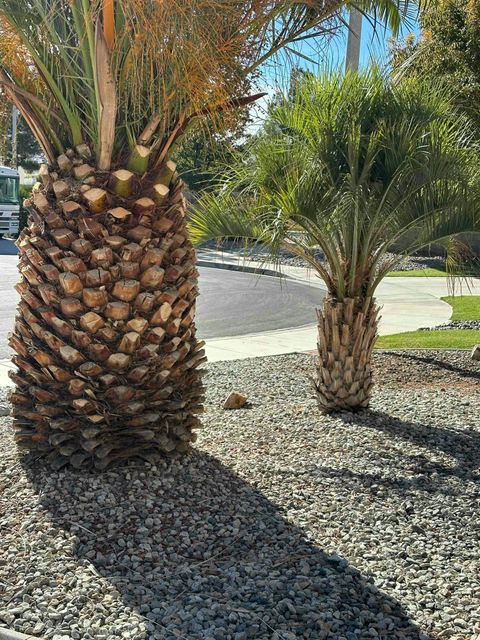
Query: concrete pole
14	137
352	59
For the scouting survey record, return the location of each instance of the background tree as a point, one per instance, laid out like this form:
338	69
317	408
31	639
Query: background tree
448	48
203	151
29	154
350	165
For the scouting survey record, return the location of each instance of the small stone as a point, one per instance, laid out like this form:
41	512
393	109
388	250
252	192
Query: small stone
4	410
235	401
335	558
476	352
7	617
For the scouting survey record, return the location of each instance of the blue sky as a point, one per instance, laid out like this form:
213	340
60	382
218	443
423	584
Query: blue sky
374	48
374	45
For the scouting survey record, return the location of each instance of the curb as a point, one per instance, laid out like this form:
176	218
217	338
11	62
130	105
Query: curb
7	634
238	267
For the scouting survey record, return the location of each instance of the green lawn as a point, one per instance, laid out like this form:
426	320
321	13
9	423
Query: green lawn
448	339
418	273
463	308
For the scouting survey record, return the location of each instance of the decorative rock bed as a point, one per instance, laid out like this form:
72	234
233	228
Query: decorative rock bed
283	524
454	324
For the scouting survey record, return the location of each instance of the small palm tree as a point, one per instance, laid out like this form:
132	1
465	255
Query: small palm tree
351	165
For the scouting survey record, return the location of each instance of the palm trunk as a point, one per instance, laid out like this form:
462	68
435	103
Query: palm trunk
105	335
347	331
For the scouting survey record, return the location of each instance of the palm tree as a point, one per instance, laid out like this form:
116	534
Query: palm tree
351	164
107	353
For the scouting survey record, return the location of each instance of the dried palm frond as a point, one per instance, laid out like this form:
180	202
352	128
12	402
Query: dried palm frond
118	73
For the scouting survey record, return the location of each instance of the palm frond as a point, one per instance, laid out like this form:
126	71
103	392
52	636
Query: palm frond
353	164
162	64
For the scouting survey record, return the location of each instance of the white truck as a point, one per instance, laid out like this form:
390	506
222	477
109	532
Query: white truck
9	201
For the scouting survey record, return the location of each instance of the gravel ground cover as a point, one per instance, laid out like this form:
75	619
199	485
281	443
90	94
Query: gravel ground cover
258	252
454	324
281	525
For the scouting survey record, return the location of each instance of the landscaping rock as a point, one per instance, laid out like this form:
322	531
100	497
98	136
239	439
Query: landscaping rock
235	401
454	324
259	252
476	352
283	523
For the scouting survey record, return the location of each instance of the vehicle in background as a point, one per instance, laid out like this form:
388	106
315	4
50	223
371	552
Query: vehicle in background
9	201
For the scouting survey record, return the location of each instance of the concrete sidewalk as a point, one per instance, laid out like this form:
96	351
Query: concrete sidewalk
407	304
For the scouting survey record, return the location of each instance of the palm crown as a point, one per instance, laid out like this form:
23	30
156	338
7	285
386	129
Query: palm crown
351	164
117	73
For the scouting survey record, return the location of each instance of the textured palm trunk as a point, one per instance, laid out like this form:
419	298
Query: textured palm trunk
347	331
105	339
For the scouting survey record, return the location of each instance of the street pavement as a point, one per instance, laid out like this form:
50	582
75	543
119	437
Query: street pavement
232	303
407	304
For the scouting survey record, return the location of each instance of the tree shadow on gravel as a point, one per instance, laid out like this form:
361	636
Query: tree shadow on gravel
199	553
462	445
467	372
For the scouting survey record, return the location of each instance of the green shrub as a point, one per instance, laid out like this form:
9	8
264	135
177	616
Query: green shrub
24	191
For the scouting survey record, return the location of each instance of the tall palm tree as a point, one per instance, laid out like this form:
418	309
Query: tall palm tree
107	353
351	164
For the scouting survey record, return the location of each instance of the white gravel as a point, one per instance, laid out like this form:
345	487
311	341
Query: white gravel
454	324
282	525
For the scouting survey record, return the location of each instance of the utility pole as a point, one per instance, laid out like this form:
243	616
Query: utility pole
14	137
352	59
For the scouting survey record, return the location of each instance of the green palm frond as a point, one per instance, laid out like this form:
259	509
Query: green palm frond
352	164
118	73
390	12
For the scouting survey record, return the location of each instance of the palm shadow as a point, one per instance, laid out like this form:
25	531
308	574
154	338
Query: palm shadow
467	373
195	537
419	471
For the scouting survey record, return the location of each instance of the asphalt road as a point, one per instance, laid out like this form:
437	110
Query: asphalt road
230	303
